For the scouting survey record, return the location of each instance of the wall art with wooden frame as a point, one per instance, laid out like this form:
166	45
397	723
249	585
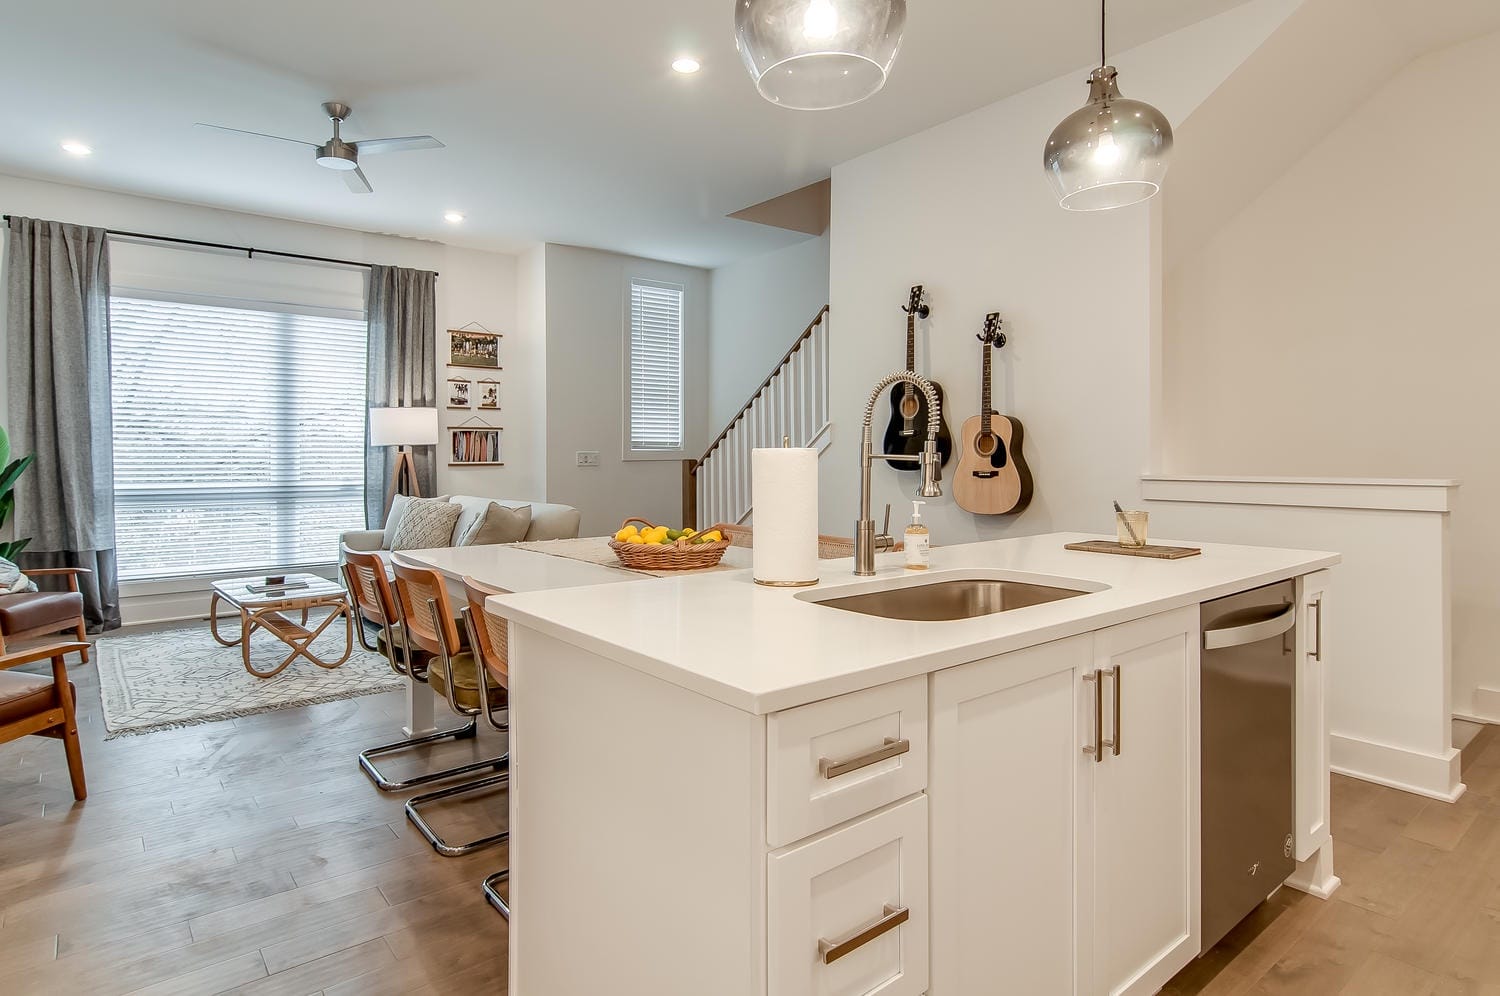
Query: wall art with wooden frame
487	390
470	348
474	444
458	393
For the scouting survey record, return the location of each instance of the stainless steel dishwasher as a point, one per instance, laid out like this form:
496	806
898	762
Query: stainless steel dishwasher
1248	671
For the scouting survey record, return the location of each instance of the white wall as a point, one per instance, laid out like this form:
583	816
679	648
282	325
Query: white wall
1343	324
759	306
473	286
587	294
964	209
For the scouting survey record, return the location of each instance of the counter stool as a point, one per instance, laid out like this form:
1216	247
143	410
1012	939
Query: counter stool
427	618
489	638
365	576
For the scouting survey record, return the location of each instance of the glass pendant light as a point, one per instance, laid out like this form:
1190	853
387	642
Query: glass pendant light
1112	151
815	55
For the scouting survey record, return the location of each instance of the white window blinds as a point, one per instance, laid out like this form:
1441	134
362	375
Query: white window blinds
655	417
239	436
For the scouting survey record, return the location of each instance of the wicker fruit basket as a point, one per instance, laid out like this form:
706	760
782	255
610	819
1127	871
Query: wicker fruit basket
683	555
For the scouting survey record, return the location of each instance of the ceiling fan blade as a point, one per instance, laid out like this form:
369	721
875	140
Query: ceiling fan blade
410	143
355	178
257	134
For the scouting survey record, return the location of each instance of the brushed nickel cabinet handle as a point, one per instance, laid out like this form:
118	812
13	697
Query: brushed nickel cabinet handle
829	768
1094	749
1113	743
832	951
1317	606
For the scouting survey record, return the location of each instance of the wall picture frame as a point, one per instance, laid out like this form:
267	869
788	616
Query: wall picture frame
469	348
474	446
459	397
488	393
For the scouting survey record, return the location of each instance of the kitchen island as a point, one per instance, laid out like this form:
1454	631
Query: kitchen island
724	788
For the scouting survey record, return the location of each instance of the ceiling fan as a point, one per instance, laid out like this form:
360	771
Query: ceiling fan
337	154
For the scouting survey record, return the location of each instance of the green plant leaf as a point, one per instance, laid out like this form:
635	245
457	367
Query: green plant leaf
7	506
4	447
14	547
11	473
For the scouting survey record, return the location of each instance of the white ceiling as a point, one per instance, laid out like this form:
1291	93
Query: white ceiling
563	120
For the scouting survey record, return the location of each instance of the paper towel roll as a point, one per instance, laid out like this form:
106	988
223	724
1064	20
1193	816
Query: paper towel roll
784	490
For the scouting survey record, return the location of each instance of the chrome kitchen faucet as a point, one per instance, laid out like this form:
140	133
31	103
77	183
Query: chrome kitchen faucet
866	542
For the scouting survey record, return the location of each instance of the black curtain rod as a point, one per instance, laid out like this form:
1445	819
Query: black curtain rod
249	251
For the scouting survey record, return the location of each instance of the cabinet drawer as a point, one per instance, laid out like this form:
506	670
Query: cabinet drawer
848	910
831	761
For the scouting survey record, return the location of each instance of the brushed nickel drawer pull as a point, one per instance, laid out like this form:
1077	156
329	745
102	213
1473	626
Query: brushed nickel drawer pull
829	768
1096	749
832	951
1316	605
1113	743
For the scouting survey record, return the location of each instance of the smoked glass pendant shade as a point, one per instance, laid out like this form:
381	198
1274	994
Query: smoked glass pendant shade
815	55
1109	153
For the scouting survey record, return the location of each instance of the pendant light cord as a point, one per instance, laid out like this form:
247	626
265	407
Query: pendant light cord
1103	59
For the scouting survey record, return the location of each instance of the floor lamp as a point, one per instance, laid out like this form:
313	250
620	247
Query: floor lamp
402	428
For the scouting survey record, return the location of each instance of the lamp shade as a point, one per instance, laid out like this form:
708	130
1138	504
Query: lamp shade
403	426
1110	152
815	55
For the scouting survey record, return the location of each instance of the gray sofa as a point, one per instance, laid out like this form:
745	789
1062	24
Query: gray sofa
548	521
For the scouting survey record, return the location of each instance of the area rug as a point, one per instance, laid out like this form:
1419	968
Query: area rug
180	677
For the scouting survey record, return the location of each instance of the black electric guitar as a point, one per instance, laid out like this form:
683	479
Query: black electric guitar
992	476
907	431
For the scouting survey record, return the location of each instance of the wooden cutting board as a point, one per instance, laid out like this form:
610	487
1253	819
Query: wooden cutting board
1154	552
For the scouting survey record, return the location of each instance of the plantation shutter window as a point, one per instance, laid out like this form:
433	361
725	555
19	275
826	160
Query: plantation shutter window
655	415
239	435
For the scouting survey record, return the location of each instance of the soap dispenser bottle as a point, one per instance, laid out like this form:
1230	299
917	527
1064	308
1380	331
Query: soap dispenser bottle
918	542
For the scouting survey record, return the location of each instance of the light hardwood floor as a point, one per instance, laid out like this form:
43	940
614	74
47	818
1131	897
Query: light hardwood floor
248	856
252	857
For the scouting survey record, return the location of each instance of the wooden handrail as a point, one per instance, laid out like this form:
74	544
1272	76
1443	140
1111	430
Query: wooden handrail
785	359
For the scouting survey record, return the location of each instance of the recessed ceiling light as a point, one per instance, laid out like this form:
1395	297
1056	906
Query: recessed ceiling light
76	149
453	217
687	66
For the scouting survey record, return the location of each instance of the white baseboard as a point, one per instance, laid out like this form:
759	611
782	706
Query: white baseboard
1436	777
1486	706
1315	875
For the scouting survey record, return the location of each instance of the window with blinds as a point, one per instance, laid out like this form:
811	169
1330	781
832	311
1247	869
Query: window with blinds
654	418
239	436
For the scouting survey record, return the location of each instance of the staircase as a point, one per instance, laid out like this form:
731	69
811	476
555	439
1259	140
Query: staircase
791	403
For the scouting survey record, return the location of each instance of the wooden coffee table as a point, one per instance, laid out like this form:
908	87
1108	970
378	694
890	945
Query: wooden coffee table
263	610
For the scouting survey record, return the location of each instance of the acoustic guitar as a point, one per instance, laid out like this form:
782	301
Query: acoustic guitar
907	431
992	477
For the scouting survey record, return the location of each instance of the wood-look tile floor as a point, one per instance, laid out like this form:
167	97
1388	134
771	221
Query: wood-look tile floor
251	856
248	856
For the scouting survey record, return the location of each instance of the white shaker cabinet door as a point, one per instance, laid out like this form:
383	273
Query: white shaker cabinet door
1146	797
847	909
1009	784
1313	802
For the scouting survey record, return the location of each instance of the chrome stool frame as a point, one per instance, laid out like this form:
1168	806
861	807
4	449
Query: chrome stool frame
377	594
435	607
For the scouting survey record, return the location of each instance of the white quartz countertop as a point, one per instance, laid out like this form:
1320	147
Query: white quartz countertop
765	649
504	566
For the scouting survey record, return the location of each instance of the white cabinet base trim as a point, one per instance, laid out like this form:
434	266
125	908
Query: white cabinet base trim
1436	777
1315	875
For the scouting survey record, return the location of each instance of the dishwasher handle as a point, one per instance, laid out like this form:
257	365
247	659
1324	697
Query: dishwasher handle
1252	632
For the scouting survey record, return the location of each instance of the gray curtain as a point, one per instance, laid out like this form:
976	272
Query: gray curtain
57	278
401	371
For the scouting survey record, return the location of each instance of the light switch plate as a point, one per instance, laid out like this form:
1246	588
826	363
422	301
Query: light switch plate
588	458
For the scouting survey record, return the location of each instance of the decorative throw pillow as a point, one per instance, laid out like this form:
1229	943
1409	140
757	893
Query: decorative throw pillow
495	524
393	519
12	581
426	524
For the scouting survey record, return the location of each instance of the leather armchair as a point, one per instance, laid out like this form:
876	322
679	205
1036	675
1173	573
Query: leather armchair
45	613
33	704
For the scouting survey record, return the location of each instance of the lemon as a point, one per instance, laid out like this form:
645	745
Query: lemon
624	534
690	533
635	539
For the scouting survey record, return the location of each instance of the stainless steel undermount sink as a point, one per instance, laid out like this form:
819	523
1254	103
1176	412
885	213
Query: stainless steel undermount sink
945	599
